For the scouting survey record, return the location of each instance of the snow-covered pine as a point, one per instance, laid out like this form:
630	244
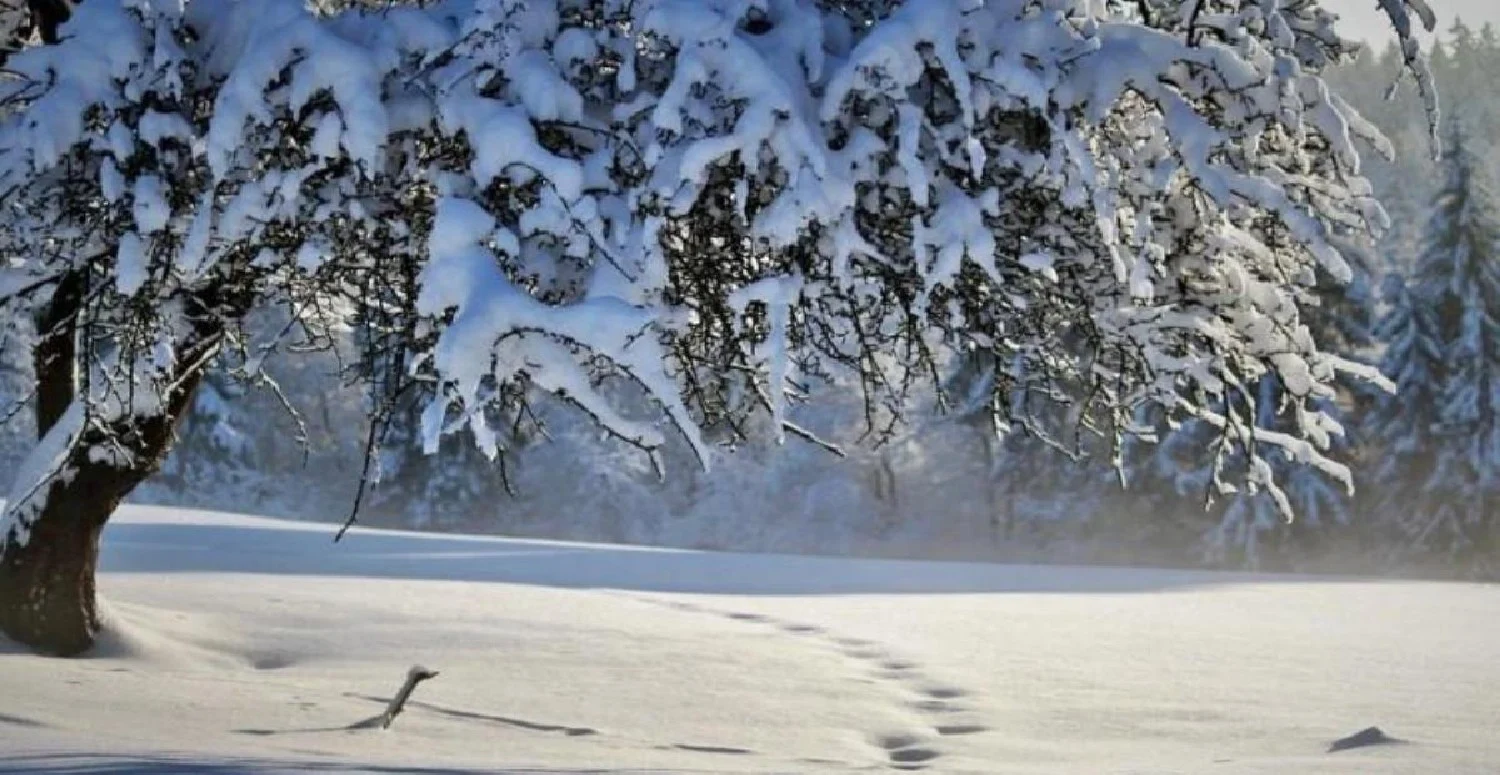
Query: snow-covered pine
214	450
1401	428
1249	531
1440	440
703	197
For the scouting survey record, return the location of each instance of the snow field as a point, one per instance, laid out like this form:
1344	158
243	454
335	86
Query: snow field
241	644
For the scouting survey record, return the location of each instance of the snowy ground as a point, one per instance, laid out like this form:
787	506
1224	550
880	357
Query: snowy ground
251	645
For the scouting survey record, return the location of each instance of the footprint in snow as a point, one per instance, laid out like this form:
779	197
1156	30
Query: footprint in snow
952	730
906	751
914	755
723	749
272	662
903	751
944	692
936	707
896	741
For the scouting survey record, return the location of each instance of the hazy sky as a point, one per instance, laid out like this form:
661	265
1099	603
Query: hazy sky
1363	20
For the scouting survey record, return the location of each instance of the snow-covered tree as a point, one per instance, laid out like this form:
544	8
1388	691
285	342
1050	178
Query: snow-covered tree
426	490
212	445
1253	530
1040	443
1246	526
285	441
1442	435
714	201
1401	428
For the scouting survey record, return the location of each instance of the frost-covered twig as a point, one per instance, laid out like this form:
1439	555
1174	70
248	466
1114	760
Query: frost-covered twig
813	438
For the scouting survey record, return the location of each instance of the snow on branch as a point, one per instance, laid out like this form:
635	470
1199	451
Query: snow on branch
1401	13
1127	201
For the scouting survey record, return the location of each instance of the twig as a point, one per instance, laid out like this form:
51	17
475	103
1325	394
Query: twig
364	479
414	676
812	438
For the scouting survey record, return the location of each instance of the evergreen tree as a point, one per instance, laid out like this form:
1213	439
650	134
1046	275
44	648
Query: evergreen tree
1402	425
1045	455
1467	479
213	452
448	487
1275	521
1440	435
1404	196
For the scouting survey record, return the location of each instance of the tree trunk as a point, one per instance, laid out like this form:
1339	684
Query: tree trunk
47	581
47	584
49	15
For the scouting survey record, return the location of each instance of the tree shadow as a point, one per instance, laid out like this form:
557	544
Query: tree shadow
264	546
460	714
470	715
123	764
374	722
20	721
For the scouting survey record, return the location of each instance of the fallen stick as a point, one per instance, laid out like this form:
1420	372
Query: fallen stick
414	676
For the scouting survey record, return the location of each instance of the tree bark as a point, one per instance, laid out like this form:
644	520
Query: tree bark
47	585
47	595
47	591
49	15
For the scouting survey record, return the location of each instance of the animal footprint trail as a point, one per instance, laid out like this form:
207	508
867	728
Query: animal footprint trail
939	703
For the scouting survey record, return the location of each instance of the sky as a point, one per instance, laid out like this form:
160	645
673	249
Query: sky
1364	20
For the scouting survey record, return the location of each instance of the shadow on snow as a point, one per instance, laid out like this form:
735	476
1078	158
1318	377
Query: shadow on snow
259	546
118	764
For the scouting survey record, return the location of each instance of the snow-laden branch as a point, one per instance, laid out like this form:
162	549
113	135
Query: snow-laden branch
1128	201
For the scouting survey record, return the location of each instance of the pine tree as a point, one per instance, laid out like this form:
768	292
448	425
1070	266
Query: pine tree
1268	523
1440	435
213	452
1467	479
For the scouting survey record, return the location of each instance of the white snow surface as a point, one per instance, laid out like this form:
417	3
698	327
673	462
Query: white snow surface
244	644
